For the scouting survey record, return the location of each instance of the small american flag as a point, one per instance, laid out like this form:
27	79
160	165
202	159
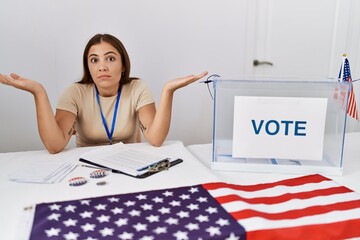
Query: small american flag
345	76
307	207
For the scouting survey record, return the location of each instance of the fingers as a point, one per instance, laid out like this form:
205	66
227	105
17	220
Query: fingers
9	80
14	76
193	78
203	74
4	79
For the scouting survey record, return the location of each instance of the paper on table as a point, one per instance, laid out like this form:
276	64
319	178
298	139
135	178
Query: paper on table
123	158
42	171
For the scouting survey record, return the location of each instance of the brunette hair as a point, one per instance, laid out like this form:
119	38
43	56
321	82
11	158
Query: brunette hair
117	44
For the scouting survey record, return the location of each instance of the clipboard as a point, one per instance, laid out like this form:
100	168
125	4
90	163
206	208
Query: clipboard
130	161
158	167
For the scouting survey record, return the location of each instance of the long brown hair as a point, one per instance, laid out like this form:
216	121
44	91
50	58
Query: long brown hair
116	43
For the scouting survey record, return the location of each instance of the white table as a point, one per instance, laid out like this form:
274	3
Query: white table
350	177
16	196
194	170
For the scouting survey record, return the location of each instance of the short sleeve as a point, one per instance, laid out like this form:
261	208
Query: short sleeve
143	93
68	100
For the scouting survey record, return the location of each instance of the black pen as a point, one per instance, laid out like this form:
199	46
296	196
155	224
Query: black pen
94	167
175	162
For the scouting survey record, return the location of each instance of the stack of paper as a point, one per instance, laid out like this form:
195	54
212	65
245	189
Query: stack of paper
42	171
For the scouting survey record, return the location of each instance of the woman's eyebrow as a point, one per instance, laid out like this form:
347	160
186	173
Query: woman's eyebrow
110	52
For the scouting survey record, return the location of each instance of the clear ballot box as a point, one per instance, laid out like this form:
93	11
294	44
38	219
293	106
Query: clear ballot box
280	126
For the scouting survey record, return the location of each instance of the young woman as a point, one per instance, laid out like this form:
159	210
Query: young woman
107	106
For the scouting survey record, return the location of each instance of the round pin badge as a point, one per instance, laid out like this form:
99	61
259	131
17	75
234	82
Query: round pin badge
77	181
98	173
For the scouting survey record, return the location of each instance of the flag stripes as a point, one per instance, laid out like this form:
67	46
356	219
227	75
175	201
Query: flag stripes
331	231
352	109
288	182
292	214
282	198
304	207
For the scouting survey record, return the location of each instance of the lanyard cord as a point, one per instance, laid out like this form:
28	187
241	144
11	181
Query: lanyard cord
109	134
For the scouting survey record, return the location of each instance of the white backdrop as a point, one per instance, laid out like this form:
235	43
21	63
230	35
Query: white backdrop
44	40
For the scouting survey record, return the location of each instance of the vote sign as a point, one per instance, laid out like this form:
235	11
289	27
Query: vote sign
279	127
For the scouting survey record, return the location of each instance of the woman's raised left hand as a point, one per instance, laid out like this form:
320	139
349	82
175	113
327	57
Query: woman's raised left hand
177	83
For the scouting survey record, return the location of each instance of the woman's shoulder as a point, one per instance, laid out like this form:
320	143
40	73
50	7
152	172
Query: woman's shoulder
77	90
80	87
136	84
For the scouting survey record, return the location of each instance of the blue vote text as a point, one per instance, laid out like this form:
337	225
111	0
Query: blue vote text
283	127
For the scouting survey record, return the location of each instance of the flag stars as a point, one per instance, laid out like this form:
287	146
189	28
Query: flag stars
52	232
158	200
160	230
193	190
183	214
86	214
54	216
184	196
213	231
71	236
113	199
85	202
134	213
164	210
174	203
172	221
211	210
100	207
232	237
180	235
106	232
192	226
88	227
167	194
140	227
147	238
117	210
70	208
193	206
103	218
202	199
180	214
70	222
126	236
222	222
153	218
141	197
129	203
202	218
146	206
121	222
90	238
54	207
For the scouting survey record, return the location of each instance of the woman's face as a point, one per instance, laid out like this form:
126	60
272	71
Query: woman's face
105	66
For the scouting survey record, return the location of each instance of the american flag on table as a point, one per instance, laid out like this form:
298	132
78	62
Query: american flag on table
307	207
345	76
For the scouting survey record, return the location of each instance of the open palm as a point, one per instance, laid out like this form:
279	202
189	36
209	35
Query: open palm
16	81
177	83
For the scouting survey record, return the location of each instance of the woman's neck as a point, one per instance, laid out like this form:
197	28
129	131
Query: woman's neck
107	92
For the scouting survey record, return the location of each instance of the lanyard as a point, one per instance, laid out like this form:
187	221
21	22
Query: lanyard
109	134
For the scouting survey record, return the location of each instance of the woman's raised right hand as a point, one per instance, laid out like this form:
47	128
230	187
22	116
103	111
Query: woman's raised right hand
25	84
